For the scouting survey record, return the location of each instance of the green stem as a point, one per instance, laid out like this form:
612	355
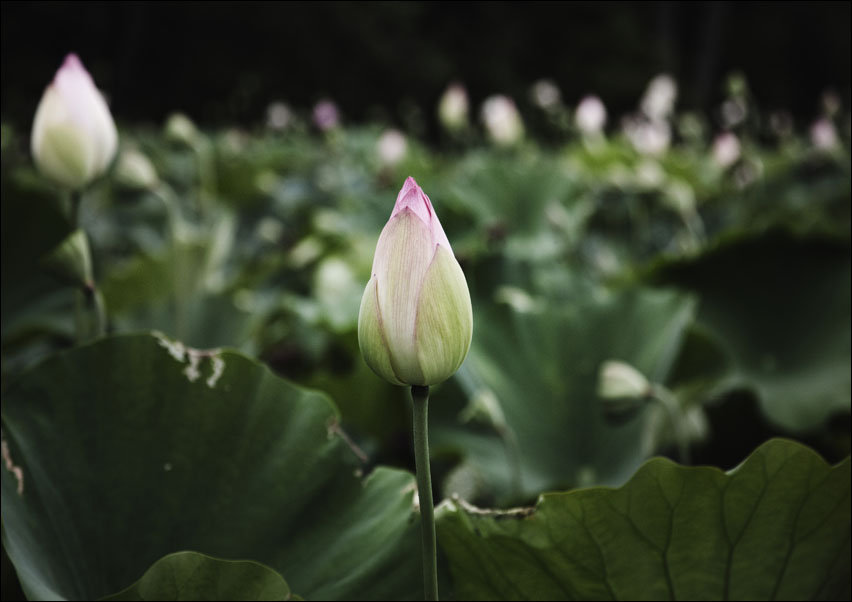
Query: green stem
673	409
76	199
175	229
89	308
420	397
513	450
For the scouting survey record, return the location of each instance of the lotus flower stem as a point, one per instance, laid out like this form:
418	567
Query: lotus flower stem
672	407
89	310
420	397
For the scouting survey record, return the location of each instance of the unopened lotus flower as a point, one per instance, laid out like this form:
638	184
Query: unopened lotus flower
453	108
416	320
502	120
618	380
74	137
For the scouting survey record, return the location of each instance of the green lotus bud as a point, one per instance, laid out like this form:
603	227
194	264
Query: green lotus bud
71	260
180	129
620	381
453	108
135	170
416	320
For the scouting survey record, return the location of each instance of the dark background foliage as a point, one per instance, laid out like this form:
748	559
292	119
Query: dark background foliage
225	61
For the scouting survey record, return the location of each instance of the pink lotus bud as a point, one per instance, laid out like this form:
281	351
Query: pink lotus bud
590	116
824	134
416	321
326	116
726	149
74	137
391	147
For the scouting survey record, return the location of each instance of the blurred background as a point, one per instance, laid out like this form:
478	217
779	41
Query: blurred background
392	60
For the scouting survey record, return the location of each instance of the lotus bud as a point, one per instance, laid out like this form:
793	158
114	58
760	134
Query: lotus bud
590	116
824	134
181	129
278	116
620	381
453	108
391	147
74	137
135	170
416	321
325	115
726	149
659	99
502	120
545	95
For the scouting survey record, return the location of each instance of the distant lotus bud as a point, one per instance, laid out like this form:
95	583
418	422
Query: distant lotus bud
74	137
545	94
453	108
278	116
660	96
135	170
416	321
391	147
502	120
726	149
648	137
179	128
618	380
590	117
325	115
824	134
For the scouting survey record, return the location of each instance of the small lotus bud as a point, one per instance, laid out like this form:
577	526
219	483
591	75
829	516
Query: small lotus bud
648	137
71	260
617	381
326	116
391	147
278	116
179	128
659	99
726	149
135	170
453	108
824	134
416	321
502	120
590	116
545	94
74	137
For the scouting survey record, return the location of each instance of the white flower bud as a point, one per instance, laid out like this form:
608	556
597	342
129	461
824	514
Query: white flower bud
74	137
416	321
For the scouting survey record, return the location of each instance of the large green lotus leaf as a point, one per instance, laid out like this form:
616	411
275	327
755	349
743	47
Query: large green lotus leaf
776	527
535	370
779	307
194	576
134	447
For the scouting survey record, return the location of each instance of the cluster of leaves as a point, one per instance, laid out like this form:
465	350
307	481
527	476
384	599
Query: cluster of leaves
152	464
